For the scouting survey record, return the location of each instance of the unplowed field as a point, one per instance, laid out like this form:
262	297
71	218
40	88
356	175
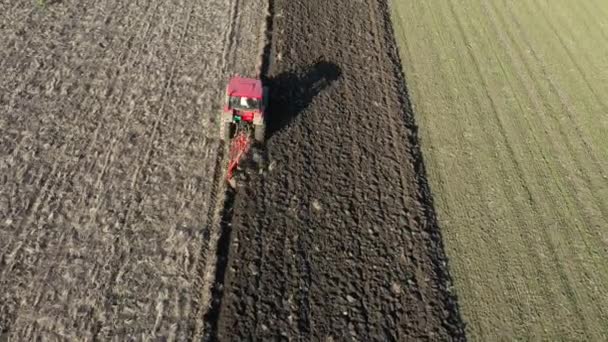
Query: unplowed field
332	233
511	97
108	162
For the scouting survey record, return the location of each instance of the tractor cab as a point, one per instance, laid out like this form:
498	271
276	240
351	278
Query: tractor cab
244	106
244	96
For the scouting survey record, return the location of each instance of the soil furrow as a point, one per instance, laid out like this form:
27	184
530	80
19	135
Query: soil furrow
367	260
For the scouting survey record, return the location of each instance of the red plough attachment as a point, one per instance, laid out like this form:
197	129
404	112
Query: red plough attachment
238	149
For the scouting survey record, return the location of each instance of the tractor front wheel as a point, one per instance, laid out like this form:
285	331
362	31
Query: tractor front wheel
259	132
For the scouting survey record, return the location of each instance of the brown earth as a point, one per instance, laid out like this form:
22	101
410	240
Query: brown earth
332	234
108	162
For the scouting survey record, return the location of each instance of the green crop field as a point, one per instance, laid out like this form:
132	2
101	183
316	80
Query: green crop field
511	98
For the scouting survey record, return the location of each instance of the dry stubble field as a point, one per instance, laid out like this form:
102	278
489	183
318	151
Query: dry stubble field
510	98
108	159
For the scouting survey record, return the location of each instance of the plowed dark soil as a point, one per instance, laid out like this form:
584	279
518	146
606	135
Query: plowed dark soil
333	233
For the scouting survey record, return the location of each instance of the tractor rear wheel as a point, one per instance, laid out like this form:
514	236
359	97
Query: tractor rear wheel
259	132
226	131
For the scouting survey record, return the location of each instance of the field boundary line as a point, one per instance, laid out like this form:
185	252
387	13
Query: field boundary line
428	216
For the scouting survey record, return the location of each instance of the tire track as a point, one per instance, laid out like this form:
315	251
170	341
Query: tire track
124	123
565	104
54	181
161	114
570	55
87	148
133	199
566	284
148	18
529	94
596	25
33	74
508	147
564	99
535	97
564	198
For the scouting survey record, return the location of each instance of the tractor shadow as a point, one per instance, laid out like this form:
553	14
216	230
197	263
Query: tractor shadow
293	91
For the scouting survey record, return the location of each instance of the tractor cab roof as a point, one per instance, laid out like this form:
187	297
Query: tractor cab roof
245	87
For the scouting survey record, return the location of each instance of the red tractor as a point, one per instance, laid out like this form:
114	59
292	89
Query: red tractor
244	107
